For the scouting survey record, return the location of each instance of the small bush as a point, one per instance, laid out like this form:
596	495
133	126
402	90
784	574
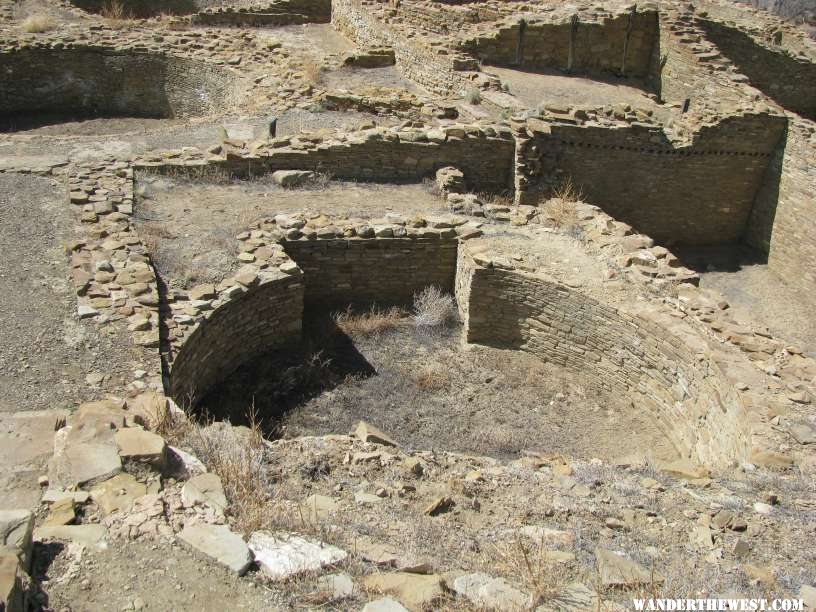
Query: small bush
371	323
36	24
433	308
115	14
432	378
313	70
568	191
561	208
431	187
473	96
239	457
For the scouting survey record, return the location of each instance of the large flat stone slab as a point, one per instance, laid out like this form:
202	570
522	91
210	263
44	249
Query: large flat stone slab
204	489
136	444
87	535
415	591
26	444
618	571
281	556
11	587
220	544
485	591
84	454
118	493
16	530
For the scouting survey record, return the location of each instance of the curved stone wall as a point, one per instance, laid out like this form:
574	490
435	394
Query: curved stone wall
657	367
99	82
245	324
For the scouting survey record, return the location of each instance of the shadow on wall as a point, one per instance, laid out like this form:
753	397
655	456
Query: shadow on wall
760	226
94	83
277	381
621	46
789	82
699	194
143	8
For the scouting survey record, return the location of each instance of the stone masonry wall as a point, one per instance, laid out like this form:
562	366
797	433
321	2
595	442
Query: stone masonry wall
783	221
434	67
98	82
267	315
622	44
485	156
776	73
622	355
697	192
386	271
690	72
275	13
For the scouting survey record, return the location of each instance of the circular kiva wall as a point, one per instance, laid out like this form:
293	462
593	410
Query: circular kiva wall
233	326
100	82
633	359
220	328
658	366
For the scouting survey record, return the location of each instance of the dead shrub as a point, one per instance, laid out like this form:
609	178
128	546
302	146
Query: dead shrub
239	456
433	308
432	378
497	199
313	70
531	564
473	96
372	323
431	187
562	207
115	15
36	24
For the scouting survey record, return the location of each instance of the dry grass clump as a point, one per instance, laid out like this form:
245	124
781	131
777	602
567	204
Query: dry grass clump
497	199
239	457
313	70
562	207
432	378
36	24
371	323
529	563
115	14
473	96
433	308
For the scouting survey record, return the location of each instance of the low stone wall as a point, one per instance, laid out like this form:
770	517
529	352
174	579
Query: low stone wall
102	82
145	8
387	271
621	44
271	14
620	354
484	154
697	191
266	315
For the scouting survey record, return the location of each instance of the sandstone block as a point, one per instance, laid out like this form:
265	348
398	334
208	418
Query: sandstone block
220	544
485	591
281	556
137	444
204	489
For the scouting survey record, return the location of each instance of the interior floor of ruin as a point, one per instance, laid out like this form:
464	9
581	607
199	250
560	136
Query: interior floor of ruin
373	305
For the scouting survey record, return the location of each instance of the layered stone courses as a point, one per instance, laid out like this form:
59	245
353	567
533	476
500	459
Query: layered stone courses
631	355
106	82
723	165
